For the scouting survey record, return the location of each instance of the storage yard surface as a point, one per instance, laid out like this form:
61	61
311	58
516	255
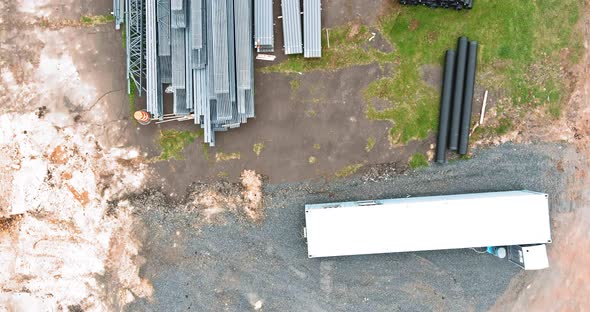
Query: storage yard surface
322	133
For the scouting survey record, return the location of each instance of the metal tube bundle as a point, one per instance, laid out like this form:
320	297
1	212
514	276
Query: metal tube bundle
457	99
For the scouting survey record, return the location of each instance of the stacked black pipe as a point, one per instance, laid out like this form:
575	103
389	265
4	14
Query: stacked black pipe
449	4
457	99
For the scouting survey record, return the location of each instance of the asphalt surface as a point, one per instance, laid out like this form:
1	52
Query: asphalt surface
236	265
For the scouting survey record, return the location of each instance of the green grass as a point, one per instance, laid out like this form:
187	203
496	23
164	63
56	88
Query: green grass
523	46
91	20
295	84
520	47
418	160
173	142
346	49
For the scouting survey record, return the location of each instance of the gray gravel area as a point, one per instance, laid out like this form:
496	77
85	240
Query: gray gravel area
234	265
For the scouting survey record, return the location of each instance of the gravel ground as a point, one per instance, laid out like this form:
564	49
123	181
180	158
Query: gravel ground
234	265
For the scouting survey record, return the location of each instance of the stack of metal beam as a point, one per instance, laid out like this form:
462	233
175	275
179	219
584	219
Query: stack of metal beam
452	4
291	10
201	51
118	11
312	27
263	26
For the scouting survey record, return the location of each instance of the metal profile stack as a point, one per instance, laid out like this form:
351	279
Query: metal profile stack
312	28
291	10
263	26
202	52
118	12
152	101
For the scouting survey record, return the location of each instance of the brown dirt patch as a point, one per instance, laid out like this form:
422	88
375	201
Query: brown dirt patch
354	30
58	156
81	197
7	225
414	24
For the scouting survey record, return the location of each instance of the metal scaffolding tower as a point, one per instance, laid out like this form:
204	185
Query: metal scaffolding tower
135	44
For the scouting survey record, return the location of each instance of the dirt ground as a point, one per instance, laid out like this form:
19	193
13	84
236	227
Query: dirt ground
292	114
77	74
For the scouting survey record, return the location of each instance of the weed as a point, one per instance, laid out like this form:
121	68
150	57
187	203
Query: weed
205	150
311	113
131	97
312	160
91	20
418	160
504	126
370	144
316	146
348	170
221	156
257	148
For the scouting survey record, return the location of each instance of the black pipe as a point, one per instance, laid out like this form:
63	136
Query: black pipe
458	93
445	107
468	97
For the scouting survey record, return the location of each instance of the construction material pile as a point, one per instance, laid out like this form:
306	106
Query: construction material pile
308	42
199	51
457	99
264	26
448	4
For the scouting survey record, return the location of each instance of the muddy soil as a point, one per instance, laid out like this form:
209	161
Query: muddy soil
317	115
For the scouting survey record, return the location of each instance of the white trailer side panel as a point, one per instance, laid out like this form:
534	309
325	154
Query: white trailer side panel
427	223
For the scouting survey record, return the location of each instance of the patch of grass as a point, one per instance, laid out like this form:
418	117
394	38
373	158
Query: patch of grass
221	156
205	147
370	144
124	36
222	174
295	84
132	106
522	45
173	142
257	148
348	170
311	113
312	160
91	20
418	160
316	146
504	126
348	46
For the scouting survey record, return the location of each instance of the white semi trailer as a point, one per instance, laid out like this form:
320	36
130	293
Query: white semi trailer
513	225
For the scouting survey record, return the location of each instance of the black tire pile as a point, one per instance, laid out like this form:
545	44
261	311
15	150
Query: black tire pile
448	4
457	99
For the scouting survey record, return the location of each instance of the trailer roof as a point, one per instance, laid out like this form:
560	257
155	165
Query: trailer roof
427	223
